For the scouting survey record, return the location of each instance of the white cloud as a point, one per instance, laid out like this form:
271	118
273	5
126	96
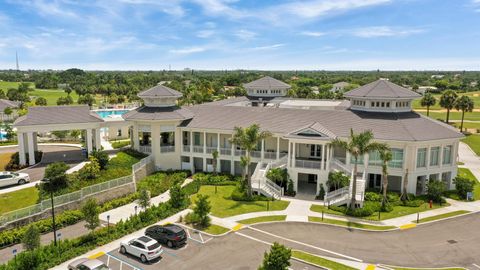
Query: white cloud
385	31
188	50
267	47
245	34
205	33
220	8
313	34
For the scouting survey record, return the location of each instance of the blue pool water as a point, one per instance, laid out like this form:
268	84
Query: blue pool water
107	113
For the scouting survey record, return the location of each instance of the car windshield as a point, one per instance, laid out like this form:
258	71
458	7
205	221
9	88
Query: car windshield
101	267
15	174
153	246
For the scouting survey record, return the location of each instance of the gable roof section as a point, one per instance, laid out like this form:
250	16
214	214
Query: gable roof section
159	91
158	113
5	103
50	115
314	128
381	89
266	83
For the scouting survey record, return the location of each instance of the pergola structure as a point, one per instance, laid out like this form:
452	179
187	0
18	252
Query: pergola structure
54	118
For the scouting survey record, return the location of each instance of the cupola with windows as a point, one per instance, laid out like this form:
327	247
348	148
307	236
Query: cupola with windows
381	96
160	96
266	87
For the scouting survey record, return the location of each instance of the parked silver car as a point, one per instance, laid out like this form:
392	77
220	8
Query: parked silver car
13	178
143	247
87	264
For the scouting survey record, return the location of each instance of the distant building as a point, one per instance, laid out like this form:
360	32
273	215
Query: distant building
437	76
5	103
339	86
424	89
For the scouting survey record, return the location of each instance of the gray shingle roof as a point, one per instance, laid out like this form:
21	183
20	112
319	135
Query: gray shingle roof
4	103
49	115
159	91
381	89
158	113
266	83
408	126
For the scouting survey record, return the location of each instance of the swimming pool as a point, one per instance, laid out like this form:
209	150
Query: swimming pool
110	113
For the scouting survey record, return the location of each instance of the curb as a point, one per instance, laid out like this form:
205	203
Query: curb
447	218
309	263
390	267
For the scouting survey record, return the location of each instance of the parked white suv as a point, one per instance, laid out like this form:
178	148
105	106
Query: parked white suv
13	178
143	247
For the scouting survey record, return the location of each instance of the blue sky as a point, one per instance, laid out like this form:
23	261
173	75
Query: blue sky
230	34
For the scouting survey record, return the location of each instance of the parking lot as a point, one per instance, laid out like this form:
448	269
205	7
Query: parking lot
233	251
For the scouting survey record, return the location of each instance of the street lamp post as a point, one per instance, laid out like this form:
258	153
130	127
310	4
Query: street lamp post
108	223
48	182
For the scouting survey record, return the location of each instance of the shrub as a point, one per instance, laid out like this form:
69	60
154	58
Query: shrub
177	196
336	180
31	238
191	218
102	158
90	170
161	181
278	176
373	196
120	144
56	173
290	189
277	259
463	185
435	189
134	153
202	209
321	193
144	198
367	210
90	213
14	163
219	179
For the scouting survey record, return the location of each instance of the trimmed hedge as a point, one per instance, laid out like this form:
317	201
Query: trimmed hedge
14	163
161	181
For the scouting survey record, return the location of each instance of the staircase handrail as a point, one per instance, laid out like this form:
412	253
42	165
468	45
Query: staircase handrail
275	188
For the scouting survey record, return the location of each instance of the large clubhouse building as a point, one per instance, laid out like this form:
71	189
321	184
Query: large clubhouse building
185	137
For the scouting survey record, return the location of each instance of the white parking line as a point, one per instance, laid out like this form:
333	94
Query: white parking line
476	265
307	245
123	262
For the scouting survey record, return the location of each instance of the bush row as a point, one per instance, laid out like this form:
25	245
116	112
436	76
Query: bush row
219	179
161	181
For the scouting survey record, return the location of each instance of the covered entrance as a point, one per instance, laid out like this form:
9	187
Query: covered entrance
306	186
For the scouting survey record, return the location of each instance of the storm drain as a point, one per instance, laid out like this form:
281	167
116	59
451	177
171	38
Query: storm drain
452	241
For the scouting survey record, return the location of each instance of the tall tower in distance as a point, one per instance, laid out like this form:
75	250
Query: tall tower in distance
16	58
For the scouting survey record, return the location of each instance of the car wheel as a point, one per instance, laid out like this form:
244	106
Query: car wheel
123	250
143	258
169	244
21	181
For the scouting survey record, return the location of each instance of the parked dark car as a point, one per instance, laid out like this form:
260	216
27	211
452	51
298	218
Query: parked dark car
171	235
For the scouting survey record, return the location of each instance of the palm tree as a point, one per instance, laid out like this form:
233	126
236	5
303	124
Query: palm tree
447	101
244	161
214	161
385	156
358	145
247	139
427	101
464	104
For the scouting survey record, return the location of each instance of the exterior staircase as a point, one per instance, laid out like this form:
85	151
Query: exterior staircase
344	195
261	184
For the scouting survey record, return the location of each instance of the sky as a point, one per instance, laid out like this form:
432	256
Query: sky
235	34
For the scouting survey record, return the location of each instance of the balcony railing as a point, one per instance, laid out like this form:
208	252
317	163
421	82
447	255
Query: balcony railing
239	152
270	155
226	151
256	154
211	149
308	164
167	148
145	149
186	148
283	154
198	149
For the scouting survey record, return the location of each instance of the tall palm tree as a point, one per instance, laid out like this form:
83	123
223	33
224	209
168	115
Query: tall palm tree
447	101
358	145
247	139
427	101
214	161
464	104
244	161
385	156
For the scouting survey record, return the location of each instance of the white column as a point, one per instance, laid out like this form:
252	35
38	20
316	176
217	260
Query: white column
232	161
191	141
322	165
218	143
88	140
31	149
98	142
204	145
262	152
136	141
35	142
289	154
278	148
21	148
294	154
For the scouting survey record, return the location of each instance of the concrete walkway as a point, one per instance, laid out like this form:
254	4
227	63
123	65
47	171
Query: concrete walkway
470	159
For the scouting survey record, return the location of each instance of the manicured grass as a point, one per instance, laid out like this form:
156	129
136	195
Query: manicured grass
215	229
467	125
120	143
7	85
397	211
464	172
446	215
474	142
474	95
52	95
404	268
18	199
317	260
350	224
454	115
223	206
4	159
263	219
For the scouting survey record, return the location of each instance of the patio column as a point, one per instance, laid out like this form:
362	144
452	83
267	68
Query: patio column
98	140
204	145
35	141
294	154
218	143
232	161
136	141
322	165
88	140
289	154
21	148
31	149
191	142
262	152
278	148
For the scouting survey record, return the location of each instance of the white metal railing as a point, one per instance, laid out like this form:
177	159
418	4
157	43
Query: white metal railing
277	190
186	148
256	154
145	149
211	149
283	154
142	162
339	165
279	163
167	148
239	152
309	164
226	151
198	149
270	155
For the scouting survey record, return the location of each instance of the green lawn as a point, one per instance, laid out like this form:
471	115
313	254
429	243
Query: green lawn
52	95
317	260
468	125
350	224
397	211
18	199
215	229
223	206
404	268
446	215
474	142
263	219
7	85
474	95
464	172
454	115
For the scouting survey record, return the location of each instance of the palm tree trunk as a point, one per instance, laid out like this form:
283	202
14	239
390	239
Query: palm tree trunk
249	180
404	196
384	189
461	124
353	200
448	115
428	110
